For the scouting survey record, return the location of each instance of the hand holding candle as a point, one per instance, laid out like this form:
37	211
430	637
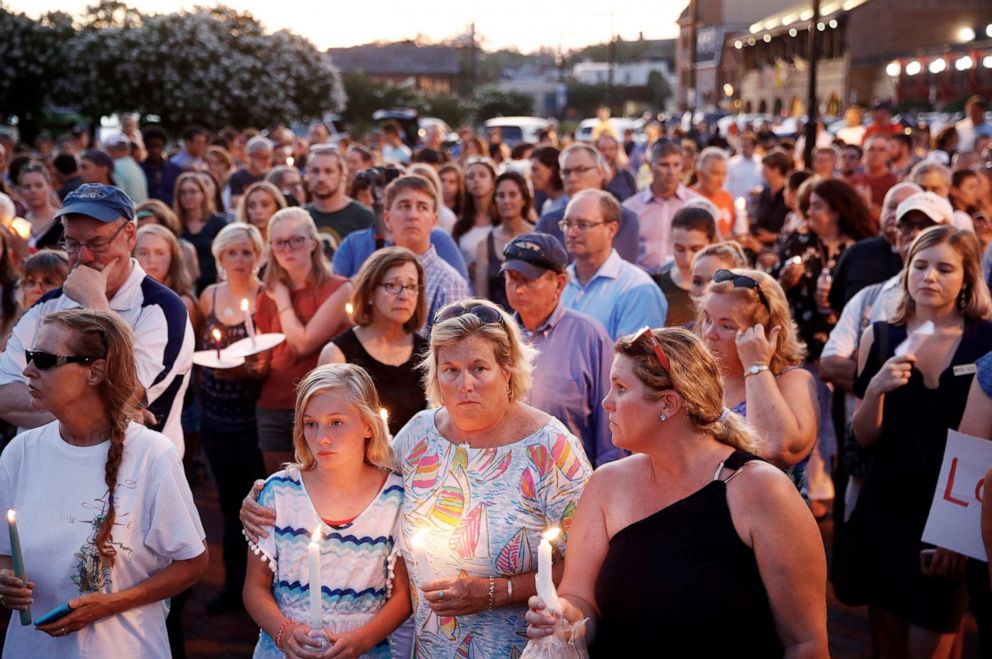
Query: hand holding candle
350	310
17	558
545	582
249	322
313	559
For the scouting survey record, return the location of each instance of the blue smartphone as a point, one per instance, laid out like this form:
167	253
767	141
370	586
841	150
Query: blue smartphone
53	615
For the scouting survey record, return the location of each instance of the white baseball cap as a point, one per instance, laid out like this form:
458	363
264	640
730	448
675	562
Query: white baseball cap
931	204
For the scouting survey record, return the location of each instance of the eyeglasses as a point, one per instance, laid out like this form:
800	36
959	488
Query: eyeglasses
655	345
95	246
742	281
487	315
565	173
581	225
395	288
46	360
296	242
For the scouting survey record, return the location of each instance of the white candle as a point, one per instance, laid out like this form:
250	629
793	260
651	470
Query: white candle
249	323
418	544
216	335
17	558
384	413
545	582
313	558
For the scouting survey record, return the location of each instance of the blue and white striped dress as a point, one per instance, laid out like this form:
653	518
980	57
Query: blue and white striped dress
356	566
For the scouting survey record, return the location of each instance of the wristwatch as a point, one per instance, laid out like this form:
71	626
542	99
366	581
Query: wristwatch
754	369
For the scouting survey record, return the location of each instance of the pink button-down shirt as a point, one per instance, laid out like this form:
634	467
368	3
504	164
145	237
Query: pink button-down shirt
655	215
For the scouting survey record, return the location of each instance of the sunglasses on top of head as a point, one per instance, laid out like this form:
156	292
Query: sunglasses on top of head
742	281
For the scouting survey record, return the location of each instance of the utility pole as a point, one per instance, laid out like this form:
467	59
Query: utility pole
811	104
694	90
473	56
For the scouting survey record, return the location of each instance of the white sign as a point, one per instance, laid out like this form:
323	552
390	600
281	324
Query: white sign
955	520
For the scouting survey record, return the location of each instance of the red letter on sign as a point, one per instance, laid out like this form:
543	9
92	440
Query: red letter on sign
950	485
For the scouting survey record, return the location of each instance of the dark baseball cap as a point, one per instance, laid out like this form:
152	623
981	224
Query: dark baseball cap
533	254
101	202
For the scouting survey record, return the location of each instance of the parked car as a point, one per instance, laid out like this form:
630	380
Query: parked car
620	125
408	120
516	130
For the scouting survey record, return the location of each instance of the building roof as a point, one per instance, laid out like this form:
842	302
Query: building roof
800	13
397	59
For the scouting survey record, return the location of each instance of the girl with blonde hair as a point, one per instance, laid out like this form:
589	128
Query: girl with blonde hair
745	322
341	492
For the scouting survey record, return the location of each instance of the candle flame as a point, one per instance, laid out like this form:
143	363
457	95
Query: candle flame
552	533
419	539
290	161
349	308
316	535
11	515
22	227
740	203
244	305
216	334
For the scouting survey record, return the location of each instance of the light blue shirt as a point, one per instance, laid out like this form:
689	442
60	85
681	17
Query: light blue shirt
572	376
620	295
357	246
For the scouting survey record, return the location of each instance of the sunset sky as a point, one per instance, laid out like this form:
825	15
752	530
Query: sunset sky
524	24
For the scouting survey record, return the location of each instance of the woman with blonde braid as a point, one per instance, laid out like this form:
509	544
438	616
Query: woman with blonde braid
106	519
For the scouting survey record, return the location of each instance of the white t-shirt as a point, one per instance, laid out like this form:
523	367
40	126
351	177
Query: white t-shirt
469	242
59	494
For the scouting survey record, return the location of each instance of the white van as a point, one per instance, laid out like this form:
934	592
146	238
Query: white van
516	130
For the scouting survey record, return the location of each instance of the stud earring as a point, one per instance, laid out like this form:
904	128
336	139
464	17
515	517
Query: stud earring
662	418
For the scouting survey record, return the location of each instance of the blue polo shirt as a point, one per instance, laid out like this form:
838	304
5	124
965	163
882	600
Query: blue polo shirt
620	295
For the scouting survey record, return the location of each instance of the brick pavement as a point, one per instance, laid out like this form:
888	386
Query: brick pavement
233	635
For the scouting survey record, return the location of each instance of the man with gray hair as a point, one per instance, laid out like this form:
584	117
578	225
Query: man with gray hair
656	206
258	150
935	177
601	284
585	168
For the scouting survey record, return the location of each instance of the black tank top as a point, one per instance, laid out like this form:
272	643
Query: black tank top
681	583
497	280
400	388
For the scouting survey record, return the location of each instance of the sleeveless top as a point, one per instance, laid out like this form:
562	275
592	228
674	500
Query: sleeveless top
681	308
400	388
797	472
497	280
225	404
682	583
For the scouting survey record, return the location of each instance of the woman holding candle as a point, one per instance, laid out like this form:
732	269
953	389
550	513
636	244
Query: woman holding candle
388	307
228	396
124	534
35	187
906	404
713	549
485	475
744	321
348	583
304	301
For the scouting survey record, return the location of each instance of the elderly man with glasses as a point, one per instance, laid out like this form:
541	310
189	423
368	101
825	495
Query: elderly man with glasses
100	233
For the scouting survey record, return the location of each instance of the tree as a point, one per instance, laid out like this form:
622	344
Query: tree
494	103
657	91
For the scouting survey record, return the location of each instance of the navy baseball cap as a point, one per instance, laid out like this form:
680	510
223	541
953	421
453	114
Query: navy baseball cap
101	202
533	254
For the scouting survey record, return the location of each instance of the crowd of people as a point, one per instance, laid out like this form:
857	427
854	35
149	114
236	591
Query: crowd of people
680	352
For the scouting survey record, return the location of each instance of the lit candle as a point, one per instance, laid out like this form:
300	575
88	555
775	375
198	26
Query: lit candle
349	309
545	583
313	558
419	545
216	335
17	558
22	227
289	161
384	413
249	323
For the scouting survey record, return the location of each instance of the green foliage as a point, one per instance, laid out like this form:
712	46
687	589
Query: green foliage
657	91
584	100
494	103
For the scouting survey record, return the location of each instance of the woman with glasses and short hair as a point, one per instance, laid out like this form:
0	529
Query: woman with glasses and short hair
389	307
744	321
304	301
106	519
712	539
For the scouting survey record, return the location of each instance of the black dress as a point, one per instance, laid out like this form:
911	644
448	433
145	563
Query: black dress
681	583
898	489
203	241
495	278
400	388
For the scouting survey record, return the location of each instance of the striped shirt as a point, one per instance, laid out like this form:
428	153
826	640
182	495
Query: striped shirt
163	344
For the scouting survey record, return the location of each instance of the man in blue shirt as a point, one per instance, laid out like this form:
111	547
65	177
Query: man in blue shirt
572	370
357	246
615	292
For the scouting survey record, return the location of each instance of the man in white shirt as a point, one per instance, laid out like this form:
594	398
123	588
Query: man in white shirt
744	170
973	125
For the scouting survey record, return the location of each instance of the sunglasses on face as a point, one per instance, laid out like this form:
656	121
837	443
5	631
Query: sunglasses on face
43	361
742	281
486	314
647	334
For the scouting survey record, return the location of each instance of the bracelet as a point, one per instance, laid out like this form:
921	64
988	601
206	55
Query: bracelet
509	590
282	628
492	592
754	369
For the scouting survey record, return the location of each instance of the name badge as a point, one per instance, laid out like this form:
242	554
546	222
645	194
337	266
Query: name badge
965	369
